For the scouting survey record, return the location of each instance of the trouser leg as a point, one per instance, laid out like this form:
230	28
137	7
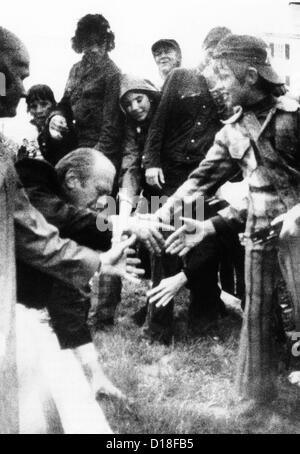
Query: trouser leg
104	304
145	257
159	321
101	385
227	274
232	275
289	259
239	266
68	314
202	268
256	360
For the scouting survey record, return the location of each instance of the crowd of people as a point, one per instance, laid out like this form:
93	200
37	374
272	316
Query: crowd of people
157	153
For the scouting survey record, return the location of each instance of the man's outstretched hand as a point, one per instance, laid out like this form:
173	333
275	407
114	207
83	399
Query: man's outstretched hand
147	229
117	261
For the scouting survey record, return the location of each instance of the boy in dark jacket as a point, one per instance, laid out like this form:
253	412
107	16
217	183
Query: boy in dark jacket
41	103
91	97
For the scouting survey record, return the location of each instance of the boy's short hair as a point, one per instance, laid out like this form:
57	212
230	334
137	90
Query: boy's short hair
40	92
214	36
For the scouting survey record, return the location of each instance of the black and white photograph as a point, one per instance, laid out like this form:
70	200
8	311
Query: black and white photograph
150	219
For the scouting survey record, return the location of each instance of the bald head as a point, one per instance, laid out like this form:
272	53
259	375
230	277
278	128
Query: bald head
9	41
85	176
82	162
14	68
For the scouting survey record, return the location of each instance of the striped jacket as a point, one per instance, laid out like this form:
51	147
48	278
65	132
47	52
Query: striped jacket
267	149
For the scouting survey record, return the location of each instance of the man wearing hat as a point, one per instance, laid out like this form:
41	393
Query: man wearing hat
182	131
167	56
263	139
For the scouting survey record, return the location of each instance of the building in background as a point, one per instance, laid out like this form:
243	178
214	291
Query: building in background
285	49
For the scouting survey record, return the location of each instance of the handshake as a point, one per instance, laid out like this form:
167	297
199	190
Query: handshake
147	229
120	260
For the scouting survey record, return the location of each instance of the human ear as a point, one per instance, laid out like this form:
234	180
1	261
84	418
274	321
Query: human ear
251	76
71	180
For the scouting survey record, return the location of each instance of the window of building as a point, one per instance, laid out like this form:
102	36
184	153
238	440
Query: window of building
288	80
287	51
279	50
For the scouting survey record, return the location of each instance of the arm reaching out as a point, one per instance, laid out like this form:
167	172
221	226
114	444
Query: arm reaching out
117	261
145	227
188	236
167	289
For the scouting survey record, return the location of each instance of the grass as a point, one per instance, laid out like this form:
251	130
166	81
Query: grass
186	388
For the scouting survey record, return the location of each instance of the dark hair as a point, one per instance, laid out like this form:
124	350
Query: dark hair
214	36
40	92
154	96
93	29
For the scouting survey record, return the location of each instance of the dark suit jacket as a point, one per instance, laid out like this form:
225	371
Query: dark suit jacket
41	184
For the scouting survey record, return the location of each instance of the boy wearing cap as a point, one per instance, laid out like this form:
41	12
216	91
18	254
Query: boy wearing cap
167	56
263	139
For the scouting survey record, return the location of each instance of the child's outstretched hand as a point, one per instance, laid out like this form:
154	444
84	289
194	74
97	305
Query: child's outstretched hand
188	236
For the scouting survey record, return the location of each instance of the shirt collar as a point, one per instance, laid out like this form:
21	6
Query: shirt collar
265	104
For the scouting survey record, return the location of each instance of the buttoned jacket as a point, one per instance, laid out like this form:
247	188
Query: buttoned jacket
91	101
185	123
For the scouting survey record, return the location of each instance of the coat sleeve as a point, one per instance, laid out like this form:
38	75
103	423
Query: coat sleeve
77	224
131	170
38	244
231	218
64	106
217	168
156	133
112	128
